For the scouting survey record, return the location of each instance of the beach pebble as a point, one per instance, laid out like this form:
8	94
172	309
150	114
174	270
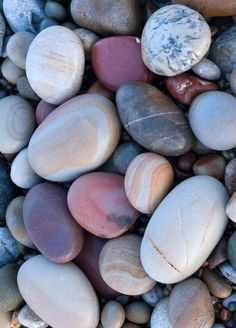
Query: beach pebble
153	296
10	71
138	312
108	17
17	123
229	302
160	318
48	22
190	305
113	315
232	81
174	39
185	217
201	149
215	131
186	87
18	46
232	250
230	176
25	89
98	87
43	110
212	164
99	204
231	207
30	319
87	129
9	248
216	284
219	255
207	70
88	39
22	173
148	179
228	271
153	120
121	267
5	318
58	237
114	67
185	162
55	64
15	222
55	11
59	304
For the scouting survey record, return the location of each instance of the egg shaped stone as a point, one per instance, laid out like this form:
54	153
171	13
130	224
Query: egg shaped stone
174	39
55	64
49	223
212	117
148	179
184	229
77	137
99	204
60	294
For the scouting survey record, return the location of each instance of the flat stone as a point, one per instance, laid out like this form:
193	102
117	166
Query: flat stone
30	319
206	69
9	249
153	120
216	284
43	110
58	237
174	39
99	204
62	288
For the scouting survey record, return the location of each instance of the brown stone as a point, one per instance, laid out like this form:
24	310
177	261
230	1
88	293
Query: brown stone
186	161
216	284
212	164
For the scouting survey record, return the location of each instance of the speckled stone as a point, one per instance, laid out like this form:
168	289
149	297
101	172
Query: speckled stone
160	318
207	70
108	17
113	315
25	89
174	39
153	120
30	319
88	39
212	164
10	71
9	249
231	208
24	15
99	204
43	110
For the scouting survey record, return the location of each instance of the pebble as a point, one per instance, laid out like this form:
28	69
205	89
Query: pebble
230	176
58	237
30	319
228	271
88	39
148	179
207	70
121	267
21	172
216	284
160	318
10	71
55	11
138	312
43	110
201	149
153	296
48	22
232	81
17	123
153	120
99	88
218	325
77	126
185	162
108	17
71	304
24	15
25	90
113	315
18	46
232	250
186	219
10	295
168	45
54	47
219	255
114	67
215	131
190	305
230	301
9	249
15	222
5	318
186	87
99	204
231	207
2	33
212	164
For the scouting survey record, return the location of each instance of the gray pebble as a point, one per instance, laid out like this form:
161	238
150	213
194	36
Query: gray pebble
232	250
88	39
25	89
10	71
229	302
153	296
9	249
55	11
30	319
207	70
71	26
229	272
47	22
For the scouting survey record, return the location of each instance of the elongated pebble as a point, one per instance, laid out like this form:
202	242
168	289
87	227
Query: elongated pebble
207	69
113	315
228	271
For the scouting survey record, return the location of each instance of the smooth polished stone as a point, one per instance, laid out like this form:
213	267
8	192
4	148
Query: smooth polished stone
43	110
99	204
231	208
121	267
219	255
138	312
160	318
232	249
88	39
233	81
10	71
55	10
174	39
192	216
154	295
212	164
55	64
206	69
87	128
30	319
153	120
230	176
9	248
45	285
25	89
113	315
216	284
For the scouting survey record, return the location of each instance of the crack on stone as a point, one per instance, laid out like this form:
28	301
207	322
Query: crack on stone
183	235
149	116
208	224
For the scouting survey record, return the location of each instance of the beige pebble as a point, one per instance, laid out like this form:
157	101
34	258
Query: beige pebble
88	39
160	318
148	179
55	64
212	164
5	319
138	312
10	71
216	284
113	315
231	208
121	267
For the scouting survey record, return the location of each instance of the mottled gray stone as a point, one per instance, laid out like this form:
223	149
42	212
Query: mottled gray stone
9	249
29	319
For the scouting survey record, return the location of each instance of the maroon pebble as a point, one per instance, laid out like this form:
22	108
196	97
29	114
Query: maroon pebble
43	110
186	161
117	60
49	223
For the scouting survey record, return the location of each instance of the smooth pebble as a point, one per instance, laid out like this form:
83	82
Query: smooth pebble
55	11
207	70
138	312
231	207
216	284
25	89
232	81
10	71
30	319
113	315
228	271
212	165
153	296
43	110
230	176
160	318
232	250
5	318
88	39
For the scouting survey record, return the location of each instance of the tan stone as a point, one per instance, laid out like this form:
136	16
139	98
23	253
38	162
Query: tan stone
113	315
216	284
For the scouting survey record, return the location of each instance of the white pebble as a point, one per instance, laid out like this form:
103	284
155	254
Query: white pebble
207	70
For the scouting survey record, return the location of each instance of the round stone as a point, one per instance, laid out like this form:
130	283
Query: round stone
87	129
232	250
58	237
160	318
48	22
17	123
30	319
185	217
148	179
43	110
215	131
207	70
212	164
174	39
138	312
99	204
10	71
231	208
45	285
88	39
121	267
114	67
9	248
55	11
25	89
55	64
113	315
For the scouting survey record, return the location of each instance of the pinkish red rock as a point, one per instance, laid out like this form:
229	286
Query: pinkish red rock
43	110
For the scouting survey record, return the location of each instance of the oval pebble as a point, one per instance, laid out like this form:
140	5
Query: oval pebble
148	179
30	319
9	248
138	312
113	315
121	267
48	22
43	110
160	318
55	64
77	126
184	217
99	204
71	304
216	284
212	165
168	47
25	89
10	71
88	39
228	271
231	207
55	11
207	70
